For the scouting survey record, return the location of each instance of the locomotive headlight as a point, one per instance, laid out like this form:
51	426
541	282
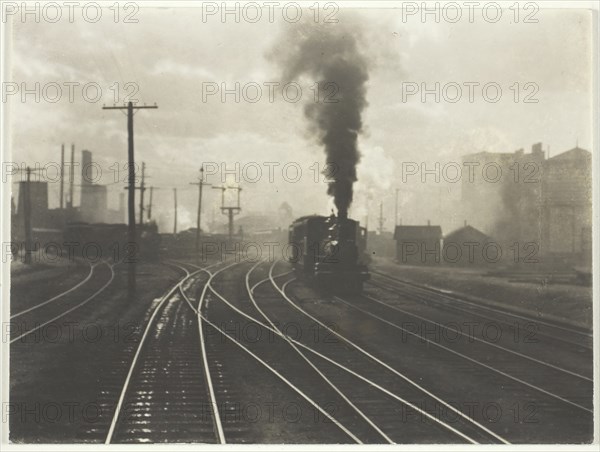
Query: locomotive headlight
331	248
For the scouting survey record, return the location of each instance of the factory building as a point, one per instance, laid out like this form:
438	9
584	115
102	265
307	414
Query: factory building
93	201
49	223
117	215
38	195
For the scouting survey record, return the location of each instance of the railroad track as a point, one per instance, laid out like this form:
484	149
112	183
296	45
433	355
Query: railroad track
271	356
426	313
367	411
35	304
396	392
166	394
543	392
27	322
579	338
547	379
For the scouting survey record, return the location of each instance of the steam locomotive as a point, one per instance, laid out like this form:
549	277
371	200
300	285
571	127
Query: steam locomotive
329	251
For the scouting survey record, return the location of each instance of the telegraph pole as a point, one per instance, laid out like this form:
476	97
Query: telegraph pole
62	176
175	219
200	183
396	210
131	193
150	204
71	179
27	215
142	190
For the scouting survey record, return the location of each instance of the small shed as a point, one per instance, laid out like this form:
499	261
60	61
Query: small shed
418	245
468	246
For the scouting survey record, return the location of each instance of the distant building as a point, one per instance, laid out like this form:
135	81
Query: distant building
252	224
38	196
94	202
118	215
542	205
567	205
501	193
45	222
418	245
468	246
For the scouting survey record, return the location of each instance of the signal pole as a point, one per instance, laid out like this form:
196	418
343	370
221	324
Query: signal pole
230	210
131	194
200	183
175	219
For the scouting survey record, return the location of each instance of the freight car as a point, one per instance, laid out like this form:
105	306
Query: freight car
330	251
110	241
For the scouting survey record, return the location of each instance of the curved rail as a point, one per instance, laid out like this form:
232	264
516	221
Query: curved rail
470	359
474	338
60	295
482	307
348	370
265	364
413	383
309	362
112	277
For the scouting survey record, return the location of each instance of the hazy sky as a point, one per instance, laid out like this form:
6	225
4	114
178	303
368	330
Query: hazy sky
170	53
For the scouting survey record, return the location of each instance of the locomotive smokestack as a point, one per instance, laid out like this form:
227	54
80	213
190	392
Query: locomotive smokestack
329	53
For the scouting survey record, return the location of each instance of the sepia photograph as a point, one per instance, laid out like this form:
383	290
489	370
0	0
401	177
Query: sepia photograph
299	224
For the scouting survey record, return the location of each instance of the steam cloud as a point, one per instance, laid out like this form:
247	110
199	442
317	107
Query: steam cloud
330	55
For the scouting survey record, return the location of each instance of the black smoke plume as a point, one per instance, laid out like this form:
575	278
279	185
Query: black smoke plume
329	55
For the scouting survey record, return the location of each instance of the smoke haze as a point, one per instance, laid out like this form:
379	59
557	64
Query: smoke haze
330	55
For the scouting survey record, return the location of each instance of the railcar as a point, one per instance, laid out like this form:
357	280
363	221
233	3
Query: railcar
111	240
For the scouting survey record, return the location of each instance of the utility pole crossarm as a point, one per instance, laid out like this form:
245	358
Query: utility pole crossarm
125	107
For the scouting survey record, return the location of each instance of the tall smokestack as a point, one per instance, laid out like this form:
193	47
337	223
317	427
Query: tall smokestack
86	168
85	198
330	55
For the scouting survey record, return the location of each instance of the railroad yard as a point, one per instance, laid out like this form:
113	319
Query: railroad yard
232	351
299	224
